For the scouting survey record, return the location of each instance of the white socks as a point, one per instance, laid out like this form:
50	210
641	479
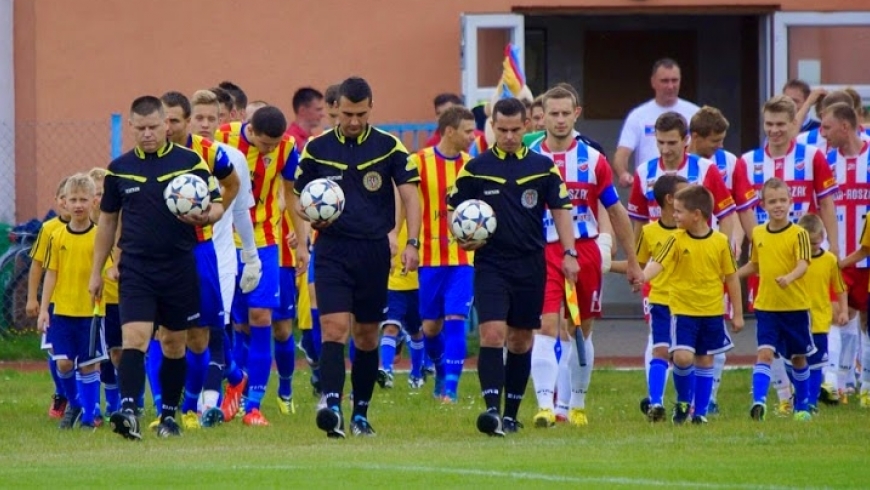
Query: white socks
545	370
832	367
848	352
718	369
779	379
563	382
581	376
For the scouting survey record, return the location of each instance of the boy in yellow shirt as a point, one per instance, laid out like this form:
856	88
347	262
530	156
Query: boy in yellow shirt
822	278
697	258
780	256
68	267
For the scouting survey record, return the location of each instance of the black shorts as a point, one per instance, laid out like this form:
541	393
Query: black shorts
166	294
352	277
511	291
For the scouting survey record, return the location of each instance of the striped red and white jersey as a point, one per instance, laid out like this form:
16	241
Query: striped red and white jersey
803	168
589	179
852	200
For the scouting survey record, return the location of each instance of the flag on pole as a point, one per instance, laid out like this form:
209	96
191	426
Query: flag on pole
513	78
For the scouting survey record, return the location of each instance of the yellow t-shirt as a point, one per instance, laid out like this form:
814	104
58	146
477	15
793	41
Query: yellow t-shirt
777	253
651	239
110	288
40	246
71	255
823	276
698	266
402	281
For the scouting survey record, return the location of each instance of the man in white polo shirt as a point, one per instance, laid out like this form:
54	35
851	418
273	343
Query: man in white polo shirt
638	132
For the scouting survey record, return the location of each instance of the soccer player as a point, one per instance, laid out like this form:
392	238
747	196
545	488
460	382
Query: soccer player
818	137
587	176
804	169
68	262
205	119
650	241
156	285
850	163
178	112
443	102
799	92
240	100
671	134
697	259
822	277
446	274
272	159
537	112
403	320
780	256
108	311
639	134
225	105
253	107
308	109
510	268
529	139
353	253
34	278
707	129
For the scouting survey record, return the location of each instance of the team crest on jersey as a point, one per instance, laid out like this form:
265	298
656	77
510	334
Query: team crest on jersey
759	168
267	160
530	198
649	130
372	181
650	184
799	166
583	167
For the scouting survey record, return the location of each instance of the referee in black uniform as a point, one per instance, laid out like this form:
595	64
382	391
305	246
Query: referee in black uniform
353	253
158	284
509	270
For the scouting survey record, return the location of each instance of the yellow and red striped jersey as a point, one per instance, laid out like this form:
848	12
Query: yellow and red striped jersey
286	255
437	176
264	170
218	164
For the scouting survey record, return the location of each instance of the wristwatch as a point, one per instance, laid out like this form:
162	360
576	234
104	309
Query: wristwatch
414	243
570	253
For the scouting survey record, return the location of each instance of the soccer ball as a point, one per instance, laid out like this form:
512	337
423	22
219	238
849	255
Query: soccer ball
322	200
473	221
187	195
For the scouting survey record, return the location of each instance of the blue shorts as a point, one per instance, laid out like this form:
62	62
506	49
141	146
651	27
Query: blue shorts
785	332
45	343
72	340
311	266
112	327
702	335
819	359
446	290
403	311
266	294
286	309
211	306
660	325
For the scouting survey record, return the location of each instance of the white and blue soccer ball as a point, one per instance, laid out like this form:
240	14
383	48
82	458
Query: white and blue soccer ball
473	221
187	195
322	201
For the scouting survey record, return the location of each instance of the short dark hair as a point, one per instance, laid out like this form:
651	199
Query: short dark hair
146	105
355	89
177	99
240	100
843	112
331	95
799	84
223	97
305	96
446	98
509	107
670	121
696	198
665	186
663	63
270	121
453	117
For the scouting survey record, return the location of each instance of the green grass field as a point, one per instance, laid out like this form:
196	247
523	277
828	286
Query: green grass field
422	444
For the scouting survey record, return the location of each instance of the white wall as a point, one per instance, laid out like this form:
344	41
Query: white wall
7	114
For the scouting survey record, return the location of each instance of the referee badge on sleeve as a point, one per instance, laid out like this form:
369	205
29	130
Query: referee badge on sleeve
372	181
530	198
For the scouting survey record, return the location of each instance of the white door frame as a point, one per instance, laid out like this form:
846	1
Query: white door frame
783	20
470	24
